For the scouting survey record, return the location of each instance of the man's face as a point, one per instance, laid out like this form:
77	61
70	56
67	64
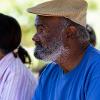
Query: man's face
48	38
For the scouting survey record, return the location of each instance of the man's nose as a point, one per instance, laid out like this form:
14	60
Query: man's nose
36	38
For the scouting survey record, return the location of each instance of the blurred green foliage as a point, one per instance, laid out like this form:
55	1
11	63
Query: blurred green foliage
93	6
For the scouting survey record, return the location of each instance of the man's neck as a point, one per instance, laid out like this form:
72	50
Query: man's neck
71	60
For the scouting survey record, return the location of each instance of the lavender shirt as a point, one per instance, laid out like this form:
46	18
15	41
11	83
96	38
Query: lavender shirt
16	81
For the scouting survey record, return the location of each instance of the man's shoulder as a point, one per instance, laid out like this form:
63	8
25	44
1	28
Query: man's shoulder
94	62
93	53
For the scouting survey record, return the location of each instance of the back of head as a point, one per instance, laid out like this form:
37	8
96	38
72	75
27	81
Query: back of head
10	33
92	34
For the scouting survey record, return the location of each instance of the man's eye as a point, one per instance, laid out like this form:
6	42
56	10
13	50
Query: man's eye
40	29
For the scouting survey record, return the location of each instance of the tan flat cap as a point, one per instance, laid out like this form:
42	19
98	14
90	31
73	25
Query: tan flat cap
75	10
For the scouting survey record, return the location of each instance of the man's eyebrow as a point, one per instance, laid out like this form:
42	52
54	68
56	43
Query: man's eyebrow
40	25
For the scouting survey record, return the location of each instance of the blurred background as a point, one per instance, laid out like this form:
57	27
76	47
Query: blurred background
18	9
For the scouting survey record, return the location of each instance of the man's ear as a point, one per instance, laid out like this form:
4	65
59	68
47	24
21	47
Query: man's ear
71	32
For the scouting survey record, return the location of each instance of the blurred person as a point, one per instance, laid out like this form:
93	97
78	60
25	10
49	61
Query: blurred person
16	81
91	34
62	39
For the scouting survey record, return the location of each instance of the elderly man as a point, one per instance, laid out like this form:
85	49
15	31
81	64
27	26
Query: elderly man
74	73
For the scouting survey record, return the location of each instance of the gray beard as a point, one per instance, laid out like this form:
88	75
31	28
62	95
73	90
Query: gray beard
52	52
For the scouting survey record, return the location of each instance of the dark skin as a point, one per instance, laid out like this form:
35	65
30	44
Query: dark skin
44	27
48	28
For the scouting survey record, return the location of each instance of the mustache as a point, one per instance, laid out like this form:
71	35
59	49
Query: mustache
38	44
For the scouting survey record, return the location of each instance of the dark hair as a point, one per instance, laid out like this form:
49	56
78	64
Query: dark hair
91	34
23	55
10	33
10	38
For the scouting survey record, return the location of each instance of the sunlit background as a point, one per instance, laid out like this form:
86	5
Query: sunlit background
17	9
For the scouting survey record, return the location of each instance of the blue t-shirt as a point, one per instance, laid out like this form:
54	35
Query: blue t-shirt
81	83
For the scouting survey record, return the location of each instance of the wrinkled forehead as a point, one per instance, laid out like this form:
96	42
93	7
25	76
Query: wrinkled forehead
47	20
